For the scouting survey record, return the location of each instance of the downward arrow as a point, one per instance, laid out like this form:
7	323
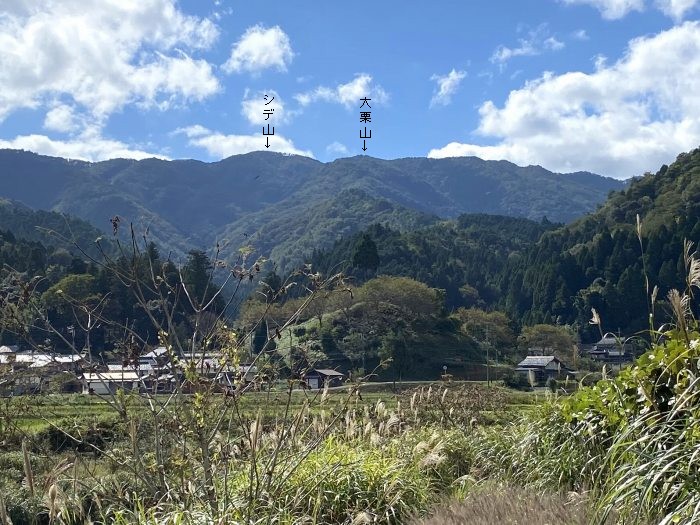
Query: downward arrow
267	142
364	145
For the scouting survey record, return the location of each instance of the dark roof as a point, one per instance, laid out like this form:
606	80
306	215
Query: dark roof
609	340
537	361
325	372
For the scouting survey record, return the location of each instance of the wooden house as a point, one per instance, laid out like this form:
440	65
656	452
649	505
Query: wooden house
612	348
320	377
542	367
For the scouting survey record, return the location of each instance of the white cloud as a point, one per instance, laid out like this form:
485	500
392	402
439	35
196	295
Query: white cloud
88	146
221	146
348	94
260	48
621	120
616	9
196	130
676	9
99	56
536	42
580	34
600	62
612	9
61	118
447	86
253	105
336	148
553	44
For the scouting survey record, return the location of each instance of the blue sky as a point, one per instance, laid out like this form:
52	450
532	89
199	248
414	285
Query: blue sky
610	86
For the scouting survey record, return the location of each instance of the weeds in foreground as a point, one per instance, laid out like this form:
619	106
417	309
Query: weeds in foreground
631	442
511	505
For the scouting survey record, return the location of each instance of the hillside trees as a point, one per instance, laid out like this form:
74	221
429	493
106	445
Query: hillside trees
365	255
464	257
72	294
358	328
494	328
559	340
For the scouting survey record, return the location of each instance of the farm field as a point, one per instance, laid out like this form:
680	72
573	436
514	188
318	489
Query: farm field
72	442
35	413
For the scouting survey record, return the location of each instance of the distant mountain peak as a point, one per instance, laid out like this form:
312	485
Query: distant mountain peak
279	199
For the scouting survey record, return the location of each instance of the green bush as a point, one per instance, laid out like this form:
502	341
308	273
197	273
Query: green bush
81	434
516	380
632	440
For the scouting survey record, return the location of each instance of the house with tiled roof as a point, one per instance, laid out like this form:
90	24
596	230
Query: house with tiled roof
542	367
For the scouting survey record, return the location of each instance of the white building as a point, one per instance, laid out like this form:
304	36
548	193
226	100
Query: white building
109	382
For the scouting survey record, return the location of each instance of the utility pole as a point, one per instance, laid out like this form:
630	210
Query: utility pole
488	362
488	366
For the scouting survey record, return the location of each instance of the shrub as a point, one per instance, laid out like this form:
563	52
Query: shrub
516	380
631	440
80	434
341	481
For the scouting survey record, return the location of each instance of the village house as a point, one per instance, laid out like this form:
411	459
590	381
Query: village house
247	373
151	379
155	358
37	372
612	348
102	383
539	368
218	368
320	377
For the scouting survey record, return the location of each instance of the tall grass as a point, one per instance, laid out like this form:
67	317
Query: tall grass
632	443
512	505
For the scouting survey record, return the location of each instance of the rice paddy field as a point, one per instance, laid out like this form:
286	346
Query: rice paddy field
35	413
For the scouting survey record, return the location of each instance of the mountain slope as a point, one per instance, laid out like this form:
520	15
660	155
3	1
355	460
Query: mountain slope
188	203
537	272
597	262
466	257
52	229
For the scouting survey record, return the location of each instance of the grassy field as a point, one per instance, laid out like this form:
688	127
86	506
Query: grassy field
332	456
34	413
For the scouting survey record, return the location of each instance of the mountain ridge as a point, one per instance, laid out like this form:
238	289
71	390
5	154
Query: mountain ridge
191	203
558	273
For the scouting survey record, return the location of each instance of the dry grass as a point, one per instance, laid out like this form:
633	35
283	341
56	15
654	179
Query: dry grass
511	506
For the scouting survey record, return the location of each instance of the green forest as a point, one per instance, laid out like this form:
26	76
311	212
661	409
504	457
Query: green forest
527	273
407	315
547	273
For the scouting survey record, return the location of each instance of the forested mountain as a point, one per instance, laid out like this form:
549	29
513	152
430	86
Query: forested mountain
466	256
285	204
52	229
597	262
535	271
541	274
